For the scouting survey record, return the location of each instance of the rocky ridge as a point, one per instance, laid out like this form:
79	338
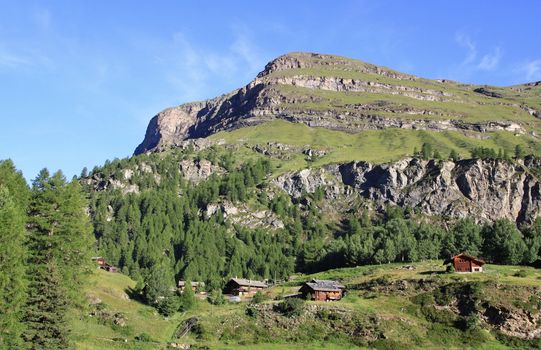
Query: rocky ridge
482	189
314	89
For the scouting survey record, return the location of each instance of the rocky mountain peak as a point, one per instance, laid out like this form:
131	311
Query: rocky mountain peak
340	93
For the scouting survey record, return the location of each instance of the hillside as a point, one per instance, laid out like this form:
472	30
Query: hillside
343	94
396	306
323	163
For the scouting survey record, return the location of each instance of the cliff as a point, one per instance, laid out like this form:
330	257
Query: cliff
339	93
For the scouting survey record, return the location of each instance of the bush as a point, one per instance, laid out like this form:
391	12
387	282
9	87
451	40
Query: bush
258	298
450	268
521	273
168	305
467	323
251	311
216	297
144	337
438	316
423	299
291	307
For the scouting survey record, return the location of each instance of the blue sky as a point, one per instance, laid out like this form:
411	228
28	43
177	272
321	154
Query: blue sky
79	80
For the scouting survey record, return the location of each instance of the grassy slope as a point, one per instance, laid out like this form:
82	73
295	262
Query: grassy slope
460	103
378	146
400	324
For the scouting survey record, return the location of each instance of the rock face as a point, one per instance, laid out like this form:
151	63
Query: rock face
312	88
481	189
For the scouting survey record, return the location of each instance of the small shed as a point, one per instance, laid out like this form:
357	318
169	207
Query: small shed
241	286
322	290
465	263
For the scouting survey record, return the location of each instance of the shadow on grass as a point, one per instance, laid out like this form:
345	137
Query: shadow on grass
433	272
134	294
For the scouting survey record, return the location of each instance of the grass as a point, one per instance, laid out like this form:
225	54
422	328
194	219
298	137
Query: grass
377	146
399	318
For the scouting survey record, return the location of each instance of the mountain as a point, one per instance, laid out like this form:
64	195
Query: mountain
323	163
348	95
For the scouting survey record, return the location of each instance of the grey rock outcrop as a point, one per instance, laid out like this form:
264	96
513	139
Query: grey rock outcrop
485	190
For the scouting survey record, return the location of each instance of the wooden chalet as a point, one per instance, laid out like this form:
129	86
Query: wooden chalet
195	285
322	290
241	286
102	264
99	260
465	263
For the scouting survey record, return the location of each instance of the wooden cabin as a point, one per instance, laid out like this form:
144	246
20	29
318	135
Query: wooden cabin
195	285
102	264
99	260
465	263
241	286
322	290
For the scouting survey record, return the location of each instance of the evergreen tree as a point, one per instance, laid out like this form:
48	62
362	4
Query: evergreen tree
59	247
503	243
519	152
45	314
454	156
12	270
187	298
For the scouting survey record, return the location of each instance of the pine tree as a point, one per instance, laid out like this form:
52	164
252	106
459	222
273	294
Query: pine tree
59	246
45	314
12	270
187	298
454	156
519	152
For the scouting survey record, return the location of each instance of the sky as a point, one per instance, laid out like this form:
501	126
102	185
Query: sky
79	80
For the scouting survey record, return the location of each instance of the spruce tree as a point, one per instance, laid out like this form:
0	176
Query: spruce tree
12	270
46	309
59	245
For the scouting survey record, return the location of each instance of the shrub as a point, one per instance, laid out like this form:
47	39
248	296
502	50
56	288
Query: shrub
144	337
521	273
467	323
423	299
251	311
291	307
438	316
450	268
258	298
216	297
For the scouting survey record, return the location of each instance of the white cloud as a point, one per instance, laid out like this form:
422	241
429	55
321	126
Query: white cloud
11	60
490	61
531	70
21	58
196	70
466	42
475	61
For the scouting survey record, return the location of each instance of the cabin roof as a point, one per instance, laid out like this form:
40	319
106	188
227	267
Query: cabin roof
249	283
464	256
324	285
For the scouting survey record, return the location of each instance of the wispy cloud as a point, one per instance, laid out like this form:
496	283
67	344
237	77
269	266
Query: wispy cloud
11	60
195	69
474	61
490	61
465	41
19	58
531	70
